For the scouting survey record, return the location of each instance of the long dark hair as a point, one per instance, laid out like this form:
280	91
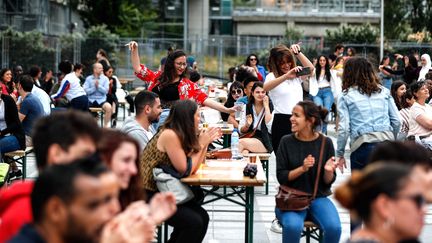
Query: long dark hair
235	85
393	91
9	85
277	56
359	72
181	119
247	63
251	97
326	67
169	71
109	143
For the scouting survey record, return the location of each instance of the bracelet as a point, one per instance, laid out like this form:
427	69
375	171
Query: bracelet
298	53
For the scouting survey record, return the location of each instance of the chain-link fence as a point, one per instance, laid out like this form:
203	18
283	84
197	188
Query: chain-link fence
214	55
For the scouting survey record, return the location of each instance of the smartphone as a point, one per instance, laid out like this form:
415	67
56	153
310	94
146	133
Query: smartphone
303	72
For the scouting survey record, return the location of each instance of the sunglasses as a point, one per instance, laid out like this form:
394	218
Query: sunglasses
252	59
236	91
418	199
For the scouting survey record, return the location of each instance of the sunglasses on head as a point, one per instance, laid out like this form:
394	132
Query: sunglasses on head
418	199
236	91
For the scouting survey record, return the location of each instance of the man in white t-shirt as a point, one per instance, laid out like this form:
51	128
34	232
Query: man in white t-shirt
148	110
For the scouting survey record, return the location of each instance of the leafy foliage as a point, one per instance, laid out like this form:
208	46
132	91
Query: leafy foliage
353	34
28	48
98	37
123	17
293	34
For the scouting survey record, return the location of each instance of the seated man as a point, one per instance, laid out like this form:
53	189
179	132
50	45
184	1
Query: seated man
96	86
148	110
31	108
72	203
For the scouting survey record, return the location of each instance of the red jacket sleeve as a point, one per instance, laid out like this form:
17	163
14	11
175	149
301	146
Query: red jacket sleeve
148	75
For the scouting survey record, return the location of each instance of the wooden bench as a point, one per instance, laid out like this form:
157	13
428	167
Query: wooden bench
20	157
100	112
311	231
264	157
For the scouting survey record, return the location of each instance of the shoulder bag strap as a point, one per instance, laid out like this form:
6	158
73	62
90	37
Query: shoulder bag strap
319	166
260	120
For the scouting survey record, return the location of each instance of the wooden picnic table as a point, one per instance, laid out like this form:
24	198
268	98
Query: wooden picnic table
230	173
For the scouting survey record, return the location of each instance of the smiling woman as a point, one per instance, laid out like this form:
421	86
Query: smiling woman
171	83
121	153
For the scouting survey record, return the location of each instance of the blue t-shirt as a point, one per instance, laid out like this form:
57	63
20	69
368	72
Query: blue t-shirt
243	99
32	108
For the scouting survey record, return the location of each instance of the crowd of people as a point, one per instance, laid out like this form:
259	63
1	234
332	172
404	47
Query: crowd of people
99	185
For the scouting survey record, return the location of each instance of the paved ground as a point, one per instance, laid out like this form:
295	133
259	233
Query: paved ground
229	227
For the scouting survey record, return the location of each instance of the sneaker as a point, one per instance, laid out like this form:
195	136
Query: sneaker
276	226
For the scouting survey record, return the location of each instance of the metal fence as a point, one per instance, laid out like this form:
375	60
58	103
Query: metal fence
214	55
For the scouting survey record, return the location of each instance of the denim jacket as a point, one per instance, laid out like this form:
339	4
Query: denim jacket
361	114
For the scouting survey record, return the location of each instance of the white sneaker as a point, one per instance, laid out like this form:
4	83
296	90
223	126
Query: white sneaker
276	226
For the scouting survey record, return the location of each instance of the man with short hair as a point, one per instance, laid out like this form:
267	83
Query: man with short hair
35	72
71	203
96	86
339	50
148	110
31	108
247	84
59	138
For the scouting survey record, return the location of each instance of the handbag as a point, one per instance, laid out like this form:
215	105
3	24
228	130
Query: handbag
290	199
168	183
252	133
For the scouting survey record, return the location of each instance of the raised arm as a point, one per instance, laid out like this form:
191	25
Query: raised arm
135	59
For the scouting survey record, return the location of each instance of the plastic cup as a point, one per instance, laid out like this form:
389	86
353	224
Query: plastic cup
239	109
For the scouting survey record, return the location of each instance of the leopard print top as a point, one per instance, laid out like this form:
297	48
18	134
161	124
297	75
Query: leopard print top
151	158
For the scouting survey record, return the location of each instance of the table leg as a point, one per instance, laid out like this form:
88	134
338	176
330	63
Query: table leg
102	119
266	167
249	214
226	141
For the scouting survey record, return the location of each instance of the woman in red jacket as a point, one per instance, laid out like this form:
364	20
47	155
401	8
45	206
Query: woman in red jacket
171	83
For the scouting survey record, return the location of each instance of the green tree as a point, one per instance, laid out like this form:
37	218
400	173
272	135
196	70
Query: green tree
403	17
293	34
28	48
98	37
124	17
353	34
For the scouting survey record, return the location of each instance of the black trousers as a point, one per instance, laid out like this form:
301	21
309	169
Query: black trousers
190	222
281	127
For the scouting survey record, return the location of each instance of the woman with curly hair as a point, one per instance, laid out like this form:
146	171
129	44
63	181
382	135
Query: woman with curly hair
368	114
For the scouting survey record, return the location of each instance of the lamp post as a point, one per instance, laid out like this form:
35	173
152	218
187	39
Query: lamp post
185	24
382	31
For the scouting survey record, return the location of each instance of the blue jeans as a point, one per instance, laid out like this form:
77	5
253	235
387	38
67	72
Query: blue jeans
321	211
324	98
360	156
162	118
387	82
8	144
